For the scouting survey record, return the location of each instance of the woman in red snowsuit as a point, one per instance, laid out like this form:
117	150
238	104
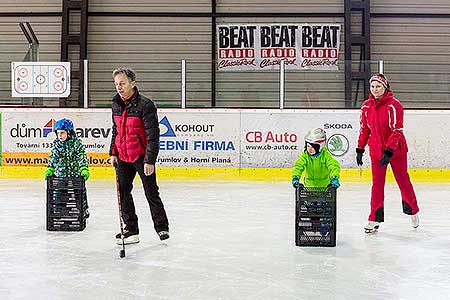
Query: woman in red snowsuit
382	128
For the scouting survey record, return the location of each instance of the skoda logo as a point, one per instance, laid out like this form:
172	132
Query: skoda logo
337	144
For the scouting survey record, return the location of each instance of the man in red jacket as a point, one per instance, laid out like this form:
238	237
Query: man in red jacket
382	128
134	148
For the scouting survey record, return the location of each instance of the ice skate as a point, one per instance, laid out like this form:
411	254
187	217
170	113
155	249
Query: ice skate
129	238
372	226
415	220
163	235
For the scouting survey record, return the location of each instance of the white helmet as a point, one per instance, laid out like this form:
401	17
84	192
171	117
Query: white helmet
316	136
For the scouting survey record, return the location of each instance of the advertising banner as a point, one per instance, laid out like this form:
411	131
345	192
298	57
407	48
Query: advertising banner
220	138
199	139
28	136
188	139
265	46
276	139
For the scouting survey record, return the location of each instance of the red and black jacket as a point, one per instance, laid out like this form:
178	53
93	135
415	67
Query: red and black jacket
135	130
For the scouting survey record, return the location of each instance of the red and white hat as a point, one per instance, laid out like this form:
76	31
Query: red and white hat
381	79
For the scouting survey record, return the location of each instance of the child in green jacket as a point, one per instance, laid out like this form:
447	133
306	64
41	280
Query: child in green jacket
316	162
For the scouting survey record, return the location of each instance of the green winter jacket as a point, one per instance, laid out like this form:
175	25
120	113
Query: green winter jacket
318	169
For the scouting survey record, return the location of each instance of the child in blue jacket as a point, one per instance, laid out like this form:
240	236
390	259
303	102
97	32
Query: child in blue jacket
68	157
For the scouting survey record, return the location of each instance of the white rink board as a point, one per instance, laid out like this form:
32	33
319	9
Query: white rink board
276	139
428	136
199	139
221	138
32	131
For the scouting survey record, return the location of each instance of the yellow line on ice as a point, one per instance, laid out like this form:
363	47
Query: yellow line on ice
232	174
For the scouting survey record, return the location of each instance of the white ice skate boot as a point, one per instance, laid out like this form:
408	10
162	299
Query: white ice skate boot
372	226
415	220
128	238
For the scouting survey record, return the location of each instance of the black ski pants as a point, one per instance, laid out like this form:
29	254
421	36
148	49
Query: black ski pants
127	173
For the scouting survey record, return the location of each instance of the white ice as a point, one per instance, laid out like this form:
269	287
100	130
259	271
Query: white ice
228	241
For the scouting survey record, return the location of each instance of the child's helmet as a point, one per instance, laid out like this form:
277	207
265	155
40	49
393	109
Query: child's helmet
64	124
316	136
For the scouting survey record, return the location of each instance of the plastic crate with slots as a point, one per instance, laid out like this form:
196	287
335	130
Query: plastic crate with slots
315	217
66	204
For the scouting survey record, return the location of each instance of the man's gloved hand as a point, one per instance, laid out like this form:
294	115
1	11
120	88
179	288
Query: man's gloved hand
85	173
49	172
335	182
295	181
387	155
359	155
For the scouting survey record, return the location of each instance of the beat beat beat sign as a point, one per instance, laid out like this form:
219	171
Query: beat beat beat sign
258	47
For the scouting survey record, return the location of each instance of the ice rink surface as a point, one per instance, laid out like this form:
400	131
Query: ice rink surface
228	241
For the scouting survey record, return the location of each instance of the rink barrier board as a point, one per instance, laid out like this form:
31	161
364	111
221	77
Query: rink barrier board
232	174
222	138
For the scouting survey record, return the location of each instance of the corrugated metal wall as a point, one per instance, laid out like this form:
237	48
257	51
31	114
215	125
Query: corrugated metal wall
154	47
417	58
410	6
280	6
30	6
415	51
155	6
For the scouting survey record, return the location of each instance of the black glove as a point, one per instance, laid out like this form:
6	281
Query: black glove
386	157
359	155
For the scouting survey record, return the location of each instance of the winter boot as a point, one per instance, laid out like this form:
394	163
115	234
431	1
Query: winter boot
372	226
128	238
415	220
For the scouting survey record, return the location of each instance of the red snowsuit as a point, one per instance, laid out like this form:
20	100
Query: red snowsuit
381	123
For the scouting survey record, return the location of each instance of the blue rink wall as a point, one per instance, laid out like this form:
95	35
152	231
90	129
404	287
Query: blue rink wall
223	144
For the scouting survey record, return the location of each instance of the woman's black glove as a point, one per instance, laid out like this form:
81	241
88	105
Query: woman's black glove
386	157
359	155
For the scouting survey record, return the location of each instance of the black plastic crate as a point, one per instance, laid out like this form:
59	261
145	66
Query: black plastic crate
66	204
315	217
64	183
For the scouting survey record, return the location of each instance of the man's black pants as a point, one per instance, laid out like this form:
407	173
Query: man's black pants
127	173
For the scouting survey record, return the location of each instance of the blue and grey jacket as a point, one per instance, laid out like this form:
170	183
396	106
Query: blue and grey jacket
68	157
